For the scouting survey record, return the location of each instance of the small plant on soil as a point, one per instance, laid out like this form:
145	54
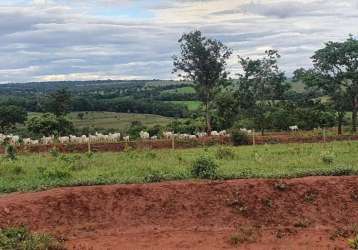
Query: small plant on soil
225	153
354	195
204	168
243	235
353	243
22	239
281	186
310	196
302	223
267	202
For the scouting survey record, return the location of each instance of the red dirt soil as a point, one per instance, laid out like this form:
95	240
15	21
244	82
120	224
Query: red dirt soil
306	213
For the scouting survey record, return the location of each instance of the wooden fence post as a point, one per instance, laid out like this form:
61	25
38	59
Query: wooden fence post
253	137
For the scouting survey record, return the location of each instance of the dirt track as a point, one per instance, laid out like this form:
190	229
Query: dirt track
307	213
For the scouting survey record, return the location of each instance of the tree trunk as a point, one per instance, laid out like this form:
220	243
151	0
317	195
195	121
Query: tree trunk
354	114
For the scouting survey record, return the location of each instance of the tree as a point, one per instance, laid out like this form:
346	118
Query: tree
260	85
48	124
336	73
10	115
203	61
58	103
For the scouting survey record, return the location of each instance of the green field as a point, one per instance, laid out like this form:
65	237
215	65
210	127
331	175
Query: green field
43	171
117	121
182	90
192	105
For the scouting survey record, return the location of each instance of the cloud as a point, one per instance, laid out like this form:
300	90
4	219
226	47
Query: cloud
122	39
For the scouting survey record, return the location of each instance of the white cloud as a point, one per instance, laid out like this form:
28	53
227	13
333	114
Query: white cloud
122	39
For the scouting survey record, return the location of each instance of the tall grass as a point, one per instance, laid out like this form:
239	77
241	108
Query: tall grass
43	171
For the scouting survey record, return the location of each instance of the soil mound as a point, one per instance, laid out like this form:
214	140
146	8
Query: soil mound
306	213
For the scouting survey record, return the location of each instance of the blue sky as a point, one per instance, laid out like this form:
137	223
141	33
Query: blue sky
45	40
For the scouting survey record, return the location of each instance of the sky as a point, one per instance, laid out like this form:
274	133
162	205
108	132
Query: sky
51	40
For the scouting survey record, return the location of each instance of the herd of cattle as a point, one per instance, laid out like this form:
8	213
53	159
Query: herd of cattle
102	138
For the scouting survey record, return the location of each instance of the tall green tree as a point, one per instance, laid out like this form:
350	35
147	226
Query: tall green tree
260	85
49	124
203	61
335	72
58	103
10	115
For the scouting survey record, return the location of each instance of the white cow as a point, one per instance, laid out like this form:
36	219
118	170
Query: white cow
64	139
126	138
144	135
293	128
168	135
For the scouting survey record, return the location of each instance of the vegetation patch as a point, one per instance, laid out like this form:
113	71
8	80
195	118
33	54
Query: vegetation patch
23	239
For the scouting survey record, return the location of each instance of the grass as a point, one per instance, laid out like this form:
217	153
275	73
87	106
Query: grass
182	90
192	105
111	120
22	239
43	171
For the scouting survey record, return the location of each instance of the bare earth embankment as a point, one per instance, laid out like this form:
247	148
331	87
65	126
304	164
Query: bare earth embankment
306	213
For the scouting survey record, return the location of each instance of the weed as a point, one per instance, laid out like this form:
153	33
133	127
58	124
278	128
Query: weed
225	153
243	235
22	239
267	202
281	185
353	243
56	173
154	176
303	223
310	196
327	158
54	152
10	152
204	168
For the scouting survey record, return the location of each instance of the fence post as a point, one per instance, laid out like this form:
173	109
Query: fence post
324	134
89	146
253	137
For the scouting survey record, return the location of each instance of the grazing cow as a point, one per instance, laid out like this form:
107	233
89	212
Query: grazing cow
154	137
126	138
201	134
144	135
214	133
168	135
64	139
293	128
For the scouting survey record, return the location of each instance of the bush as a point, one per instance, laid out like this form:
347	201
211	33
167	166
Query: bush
204	168
10	152
225	153
22	239
239	137
327	158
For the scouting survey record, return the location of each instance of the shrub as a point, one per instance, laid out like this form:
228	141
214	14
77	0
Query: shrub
225	153
204	168
239	137
327	158
10	152
22	239
54	152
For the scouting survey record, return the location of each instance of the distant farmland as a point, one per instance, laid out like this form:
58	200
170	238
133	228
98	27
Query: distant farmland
111	120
